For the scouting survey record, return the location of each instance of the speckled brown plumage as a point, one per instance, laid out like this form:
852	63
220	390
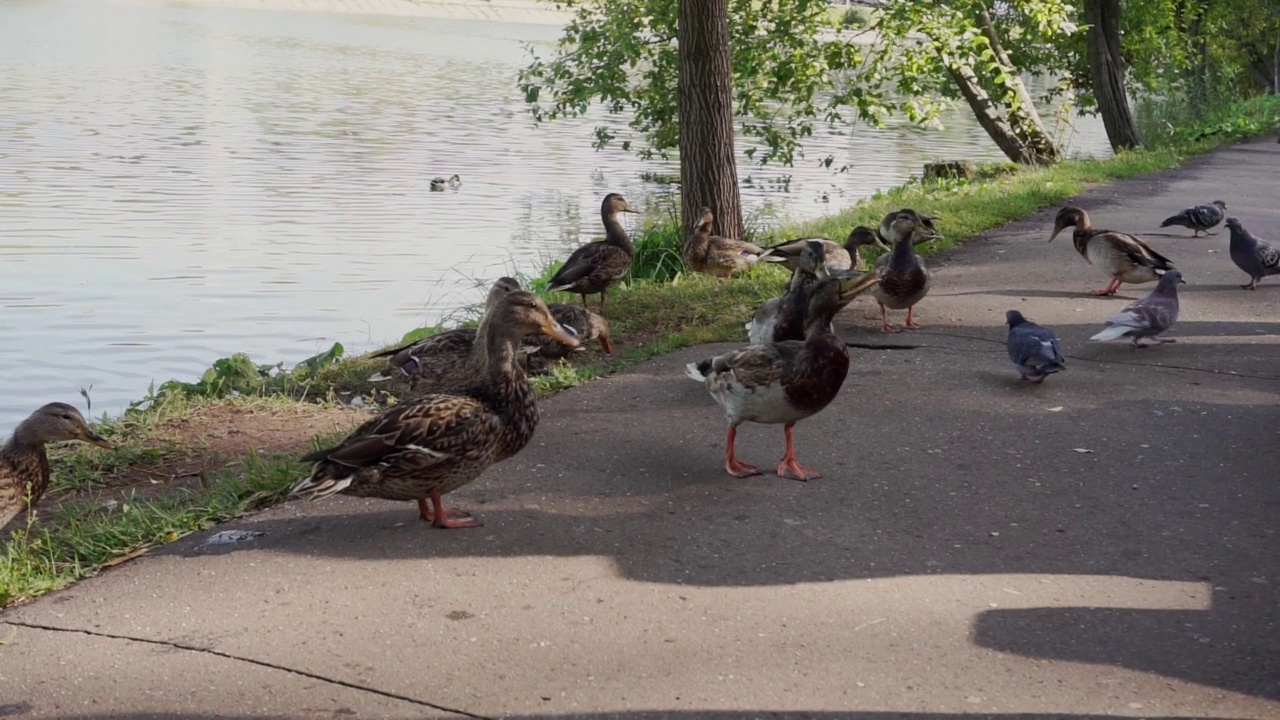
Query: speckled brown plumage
24	465
597	266
446	360
433	444
721	257
587	325
903	279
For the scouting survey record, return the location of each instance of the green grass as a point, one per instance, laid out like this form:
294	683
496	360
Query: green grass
660	310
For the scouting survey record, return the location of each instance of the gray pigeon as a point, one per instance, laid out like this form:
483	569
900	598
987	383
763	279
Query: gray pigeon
1034	350
1148	317
1252	255
1199	218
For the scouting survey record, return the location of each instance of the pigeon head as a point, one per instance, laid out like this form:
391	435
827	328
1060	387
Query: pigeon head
1170	280
1234	223
1013	318
1221	205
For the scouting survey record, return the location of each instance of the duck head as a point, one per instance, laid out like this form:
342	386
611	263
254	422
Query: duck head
863	235
600	331
54	422
835	290
1068	217
813	258
520	313
614	203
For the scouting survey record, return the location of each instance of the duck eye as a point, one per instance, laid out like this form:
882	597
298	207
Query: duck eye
65	416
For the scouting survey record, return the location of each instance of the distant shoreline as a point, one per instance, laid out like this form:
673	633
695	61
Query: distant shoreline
514	11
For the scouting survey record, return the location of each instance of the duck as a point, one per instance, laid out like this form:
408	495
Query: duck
902	277
24	464
583	324
858	238
783	383
448	359
426	447
438	184
787	254
779	317
597	266
718	256
1123	257
1198	219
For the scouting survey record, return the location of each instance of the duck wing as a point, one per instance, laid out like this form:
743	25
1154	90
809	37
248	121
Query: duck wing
1123	247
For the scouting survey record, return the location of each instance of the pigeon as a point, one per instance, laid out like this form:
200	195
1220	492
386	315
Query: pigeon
1034	350
1252	255
1199	218
1148	317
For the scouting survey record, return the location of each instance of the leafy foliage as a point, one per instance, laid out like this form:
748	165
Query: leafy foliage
238	375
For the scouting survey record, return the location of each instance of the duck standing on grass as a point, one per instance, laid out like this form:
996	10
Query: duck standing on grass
597	266
1255	257
1123	257
449	359
1034	350
721	257
426	447
1148	317
901	275
24	465
786	382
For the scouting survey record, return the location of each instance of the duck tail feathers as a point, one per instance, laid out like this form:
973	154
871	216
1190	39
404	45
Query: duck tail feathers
699	371
322	483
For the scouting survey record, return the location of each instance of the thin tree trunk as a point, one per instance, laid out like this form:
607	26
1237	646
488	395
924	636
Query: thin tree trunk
1106	70
988	113
708	165
1275	75
1023	116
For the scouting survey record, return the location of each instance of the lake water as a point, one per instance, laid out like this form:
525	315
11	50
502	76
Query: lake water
178	184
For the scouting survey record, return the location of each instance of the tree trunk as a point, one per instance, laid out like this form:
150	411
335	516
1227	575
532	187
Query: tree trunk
708	165
987	111
1106	70
1275	76
1022	114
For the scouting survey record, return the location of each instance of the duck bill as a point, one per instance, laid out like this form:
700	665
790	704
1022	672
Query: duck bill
94	439
557	332
1057	228
854	285
626	207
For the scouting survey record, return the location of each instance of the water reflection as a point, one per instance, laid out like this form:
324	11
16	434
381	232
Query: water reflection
177	184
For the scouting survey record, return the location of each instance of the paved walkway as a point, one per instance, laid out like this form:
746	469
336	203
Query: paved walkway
1102	545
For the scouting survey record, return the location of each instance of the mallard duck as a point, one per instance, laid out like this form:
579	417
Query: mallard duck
445	360
859	237
1199	219
787	254
902	277
424	448
585	326
24	466
783	383
925	227
438	184
596	266
787	311
1122	256
714	255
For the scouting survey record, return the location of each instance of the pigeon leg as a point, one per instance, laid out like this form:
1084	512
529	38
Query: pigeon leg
731	464
885	325
443	518
1038	380
788	467
911	323
1253	285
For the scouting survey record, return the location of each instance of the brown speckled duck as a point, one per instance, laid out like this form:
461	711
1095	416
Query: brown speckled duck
445	360
24	466
860	237
426	447
586	326
597	266
722	257
902	278
1123	257
783	383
